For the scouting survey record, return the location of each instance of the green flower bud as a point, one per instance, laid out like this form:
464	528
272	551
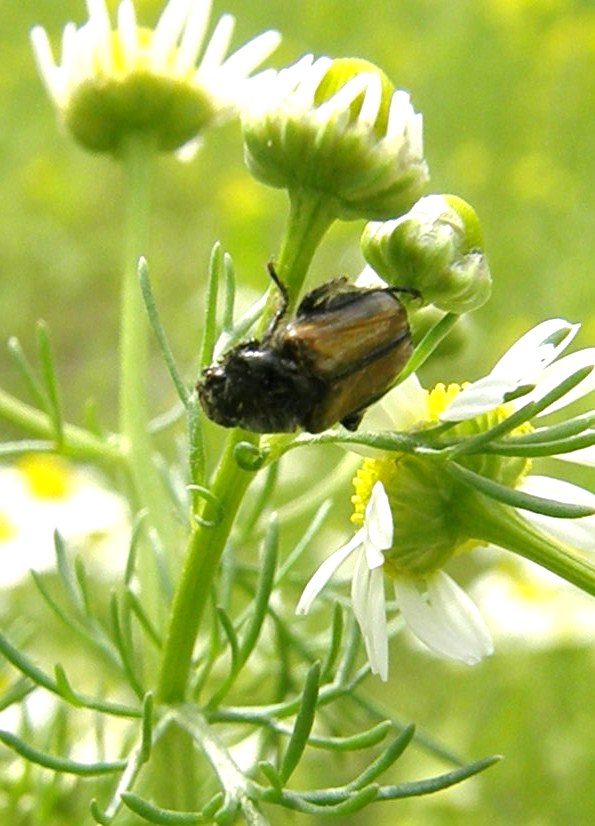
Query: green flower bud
110	84
337	128
436	249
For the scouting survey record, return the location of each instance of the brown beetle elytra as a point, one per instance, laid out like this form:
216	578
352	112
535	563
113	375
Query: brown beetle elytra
342	352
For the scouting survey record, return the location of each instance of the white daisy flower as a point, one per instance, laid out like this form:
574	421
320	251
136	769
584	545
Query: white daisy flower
166	81
416	510
337	128
42	494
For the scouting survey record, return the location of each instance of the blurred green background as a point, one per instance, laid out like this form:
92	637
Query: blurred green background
507	90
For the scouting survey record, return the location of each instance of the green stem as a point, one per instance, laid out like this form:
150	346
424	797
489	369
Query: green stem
502	526
137	156
309	219
77	443
203	553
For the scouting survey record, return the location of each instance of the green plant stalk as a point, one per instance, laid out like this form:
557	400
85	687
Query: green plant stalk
202	557
501	525
309	219
310	216
137	154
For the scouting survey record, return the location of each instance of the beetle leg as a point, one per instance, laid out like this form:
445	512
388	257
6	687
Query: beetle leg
282	309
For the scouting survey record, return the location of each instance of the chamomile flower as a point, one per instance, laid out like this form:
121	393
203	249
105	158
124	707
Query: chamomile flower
111	82
42	494
339	129
449	494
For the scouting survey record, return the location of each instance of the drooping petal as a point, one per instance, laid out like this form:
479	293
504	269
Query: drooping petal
579	533
445	618
322	574
367	596
378	526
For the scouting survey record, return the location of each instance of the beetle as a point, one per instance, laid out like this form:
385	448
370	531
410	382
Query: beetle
340	353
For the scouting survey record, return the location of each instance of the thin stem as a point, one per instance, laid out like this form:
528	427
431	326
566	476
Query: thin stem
309	219
203	553
137	156
77	442
502	526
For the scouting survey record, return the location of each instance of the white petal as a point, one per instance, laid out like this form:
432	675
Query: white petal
479	397
369	278
193	34
371	103
217	45
251	54
167	31
447	621
44	58
322	575
400	409
367	595
338	105
584	456
128	33
378	524
535	350
579	533
556	373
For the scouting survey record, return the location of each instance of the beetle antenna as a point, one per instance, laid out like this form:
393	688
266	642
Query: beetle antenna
282	309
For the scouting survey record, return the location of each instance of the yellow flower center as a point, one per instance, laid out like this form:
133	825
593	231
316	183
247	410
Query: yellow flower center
424	498
47	477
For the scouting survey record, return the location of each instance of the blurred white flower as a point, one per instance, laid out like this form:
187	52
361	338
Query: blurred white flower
527	606
42	494
111	81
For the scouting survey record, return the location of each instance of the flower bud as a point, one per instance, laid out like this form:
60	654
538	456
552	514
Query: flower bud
436	249
337	128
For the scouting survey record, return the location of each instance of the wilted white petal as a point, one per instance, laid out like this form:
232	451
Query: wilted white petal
579	533
535	350
322	575
445	619
367	596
